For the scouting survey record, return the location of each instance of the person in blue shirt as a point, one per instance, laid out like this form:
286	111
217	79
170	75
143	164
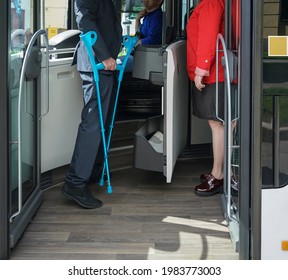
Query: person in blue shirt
148	27
151	28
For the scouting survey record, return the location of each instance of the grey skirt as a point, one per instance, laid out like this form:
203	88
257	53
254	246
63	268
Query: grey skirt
204	102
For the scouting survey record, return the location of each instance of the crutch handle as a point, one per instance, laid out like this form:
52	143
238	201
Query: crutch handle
89	39
129	43
100	66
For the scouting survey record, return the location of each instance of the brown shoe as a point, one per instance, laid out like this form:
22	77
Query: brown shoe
209	187
204	177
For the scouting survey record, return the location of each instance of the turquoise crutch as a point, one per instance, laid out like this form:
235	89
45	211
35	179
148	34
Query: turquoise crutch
129	43
89	40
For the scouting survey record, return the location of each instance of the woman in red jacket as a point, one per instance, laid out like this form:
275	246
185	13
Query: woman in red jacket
206	21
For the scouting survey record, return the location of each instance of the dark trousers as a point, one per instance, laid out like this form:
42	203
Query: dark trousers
88	156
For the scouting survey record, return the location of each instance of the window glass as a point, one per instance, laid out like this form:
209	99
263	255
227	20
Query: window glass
284	10
129	11
21	22
55	16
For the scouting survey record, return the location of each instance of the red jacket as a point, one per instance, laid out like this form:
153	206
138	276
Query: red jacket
206	21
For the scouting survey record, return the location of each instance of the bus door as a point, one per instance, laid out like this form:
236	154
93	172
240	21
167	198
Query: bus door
25	58
45	98
274	146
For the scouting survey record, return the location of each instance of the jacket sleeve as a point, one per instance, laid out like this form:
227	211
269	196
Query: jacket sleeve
209	22
86	17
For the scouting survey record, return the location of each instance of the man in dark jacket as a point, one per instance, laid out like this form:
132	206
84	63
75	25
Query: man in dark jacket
87	160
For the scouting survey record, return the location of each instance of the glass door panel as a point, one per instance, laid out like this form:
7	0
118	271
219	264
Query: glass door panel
21	33
129	11
55	16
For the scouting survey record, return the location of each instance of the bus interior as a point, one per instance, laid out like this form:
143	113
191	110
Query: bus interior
158	148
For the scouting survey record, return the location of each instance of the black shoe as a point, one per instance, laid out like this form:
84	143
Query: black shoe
81	195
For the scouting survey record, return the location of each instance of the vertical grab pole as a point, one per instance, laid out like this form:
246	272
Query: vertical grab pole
229	118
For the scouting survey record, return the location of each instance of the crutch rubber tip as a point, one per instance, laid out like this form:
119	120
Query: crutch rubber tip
109	189
101	182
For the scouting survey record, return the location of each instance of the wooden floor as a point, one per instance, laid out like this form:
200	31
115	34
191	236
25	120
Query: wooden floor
144	219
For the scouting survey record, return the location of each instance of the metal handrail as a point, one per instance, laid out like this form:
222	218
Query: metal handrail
47	75
229	118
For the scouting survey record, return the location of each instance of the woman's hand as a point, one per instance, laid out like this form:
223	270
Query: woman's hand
198	82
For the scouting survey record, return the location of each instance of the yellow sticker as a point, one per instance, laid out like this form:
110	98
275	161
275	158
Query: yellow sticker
52	31
285	245
277	45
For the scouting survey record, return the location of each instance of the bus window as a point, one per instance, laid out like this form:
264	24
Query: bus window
55	17
129	11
